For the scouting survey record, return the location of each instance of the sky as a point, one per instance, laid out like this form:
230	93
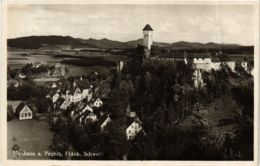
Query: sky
171	23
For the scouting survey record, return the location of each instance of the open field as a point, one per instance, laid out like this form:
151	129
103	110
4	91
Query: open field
17	59
44	80
76	63
30	135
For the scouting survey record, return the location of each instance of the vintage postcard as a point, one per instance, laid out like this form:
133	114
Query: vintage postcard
154	83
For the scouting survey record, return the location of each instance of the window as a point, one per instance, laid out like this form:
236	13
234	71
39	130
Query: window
29	114
25	115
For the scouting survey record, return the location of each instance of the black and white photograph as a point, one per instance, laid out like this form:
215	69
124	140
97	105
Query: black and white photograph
148	81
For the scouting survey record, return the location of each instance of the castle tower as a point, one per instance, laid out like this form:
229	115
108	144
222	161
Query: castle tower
148	38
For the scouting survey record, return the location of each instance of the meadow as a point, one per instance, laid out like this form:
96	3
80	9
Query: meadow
30	136
81	63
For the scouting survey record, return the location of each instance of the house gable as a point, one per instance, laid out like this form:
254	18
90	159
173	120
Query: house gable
23	112
104	120
98	103
133	130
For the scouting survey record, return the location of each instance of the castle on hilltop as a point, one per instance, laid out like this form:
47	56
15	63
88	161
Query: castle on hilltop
201	61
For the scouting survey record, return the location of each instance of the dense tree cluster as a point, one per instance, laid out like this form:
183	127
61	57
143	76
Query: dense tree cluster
26	91
163	95
29	69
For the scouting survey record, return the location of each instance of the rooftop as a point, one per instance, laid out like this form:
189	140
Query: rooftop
147	28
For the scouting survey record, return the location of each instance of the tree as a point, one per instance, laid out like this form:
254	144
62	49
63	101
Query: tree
10	112
147	79
42	105
58	145
113	142
117	104
244	96
143	149
12	73
224	57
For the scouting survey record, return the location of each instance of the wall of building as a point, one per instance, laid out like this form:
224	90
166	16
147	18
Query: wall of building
203	66
197	78
216	65
231	65
202	60
25	113
148	41
132	130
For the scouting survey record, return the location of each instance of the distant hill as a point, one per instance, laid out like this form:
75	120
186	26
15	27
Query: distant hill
38	41
105	43
133	43
32	42
195	45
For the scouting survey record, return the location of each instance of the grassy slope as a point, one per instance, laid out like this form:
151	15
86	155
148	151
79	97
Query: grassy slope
31	135
223	108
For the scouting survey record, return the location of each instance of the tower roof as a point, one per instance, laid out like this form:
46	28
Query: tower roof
147	28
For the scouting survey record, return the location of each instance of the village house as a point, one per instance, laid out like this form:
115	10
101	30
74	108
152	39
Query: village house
104	120
87	117
74	95
53	95
129	113
54	85
72	114
21	76
65	104
98	103
87	108
244	65
23	112
58	103
134	126
87	93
